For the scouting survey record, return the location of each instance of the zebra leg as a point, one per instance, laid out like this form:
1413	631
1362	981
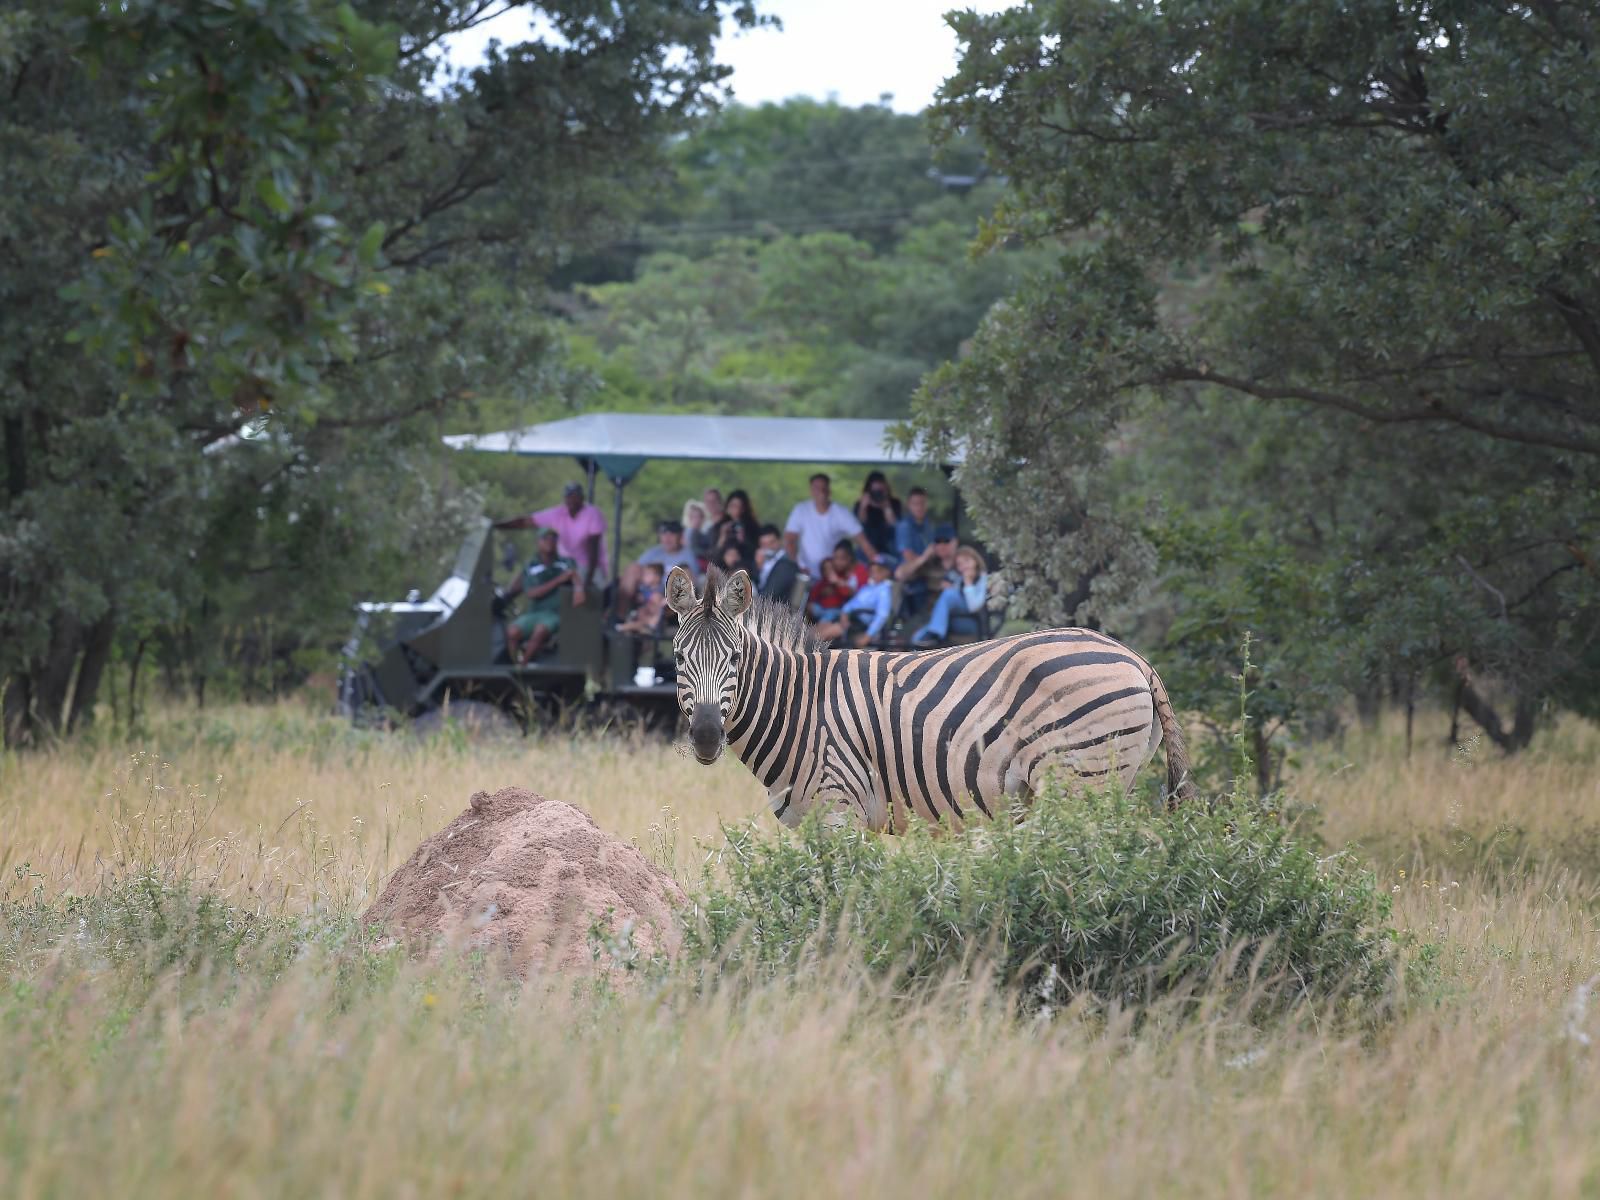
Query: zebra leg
786	806
839	810
842	811
1017	783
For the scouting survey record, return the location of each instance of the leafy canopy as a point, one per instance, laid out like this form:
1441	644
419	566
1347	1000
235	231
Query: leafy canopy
255	254
1358	234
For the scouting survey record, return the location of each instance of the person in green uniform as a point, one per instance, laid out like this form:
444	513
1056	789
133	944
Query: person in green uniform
541	584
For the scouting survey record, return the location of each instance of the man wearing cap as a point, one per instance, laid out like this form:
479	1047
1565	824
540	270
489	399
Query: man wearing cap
926	572
668	552
542	582
580	532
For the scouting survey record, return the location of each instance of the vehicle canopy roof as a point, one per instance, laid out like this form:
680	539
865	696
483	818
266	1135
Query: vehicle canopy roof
621	443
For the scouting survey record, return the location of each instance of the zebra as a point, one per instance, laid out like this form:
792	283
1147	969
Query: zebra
885	737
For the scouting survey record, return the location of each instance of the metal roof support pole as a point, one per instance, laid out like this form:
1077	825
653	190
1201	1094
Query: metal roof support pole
590	470
616	539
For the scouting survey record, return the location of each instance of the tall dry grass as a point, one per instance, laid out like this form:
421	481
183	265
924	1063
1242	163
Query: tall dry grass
420	1083
287	809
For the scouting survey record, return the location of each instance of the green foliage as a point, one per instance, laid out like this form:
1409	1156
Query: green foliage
256	255
1253	618
144	925
802	263
233	261
807	166
1093	893
1325	273
816	323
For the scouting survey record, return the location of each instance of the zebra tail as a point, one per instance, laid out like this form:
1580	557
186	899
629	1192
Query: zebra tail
1180	785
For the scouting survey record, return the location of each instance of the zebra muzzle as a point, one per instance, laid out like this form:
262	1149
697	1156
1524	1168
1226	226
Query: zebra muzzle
705	732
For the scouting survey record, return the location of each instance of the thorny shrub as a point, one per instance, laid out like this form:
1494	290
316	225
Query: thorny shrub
1091	893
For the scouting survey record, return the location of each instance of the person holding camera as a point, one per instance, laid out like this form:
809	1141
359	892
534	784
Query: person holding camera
878	510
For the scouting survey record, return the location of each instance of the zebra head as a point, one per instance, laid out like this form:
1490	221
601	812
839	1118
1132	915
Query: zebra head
710	638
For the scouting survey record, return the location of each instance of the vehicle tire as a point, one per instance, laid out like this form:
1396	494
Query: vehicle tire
477	719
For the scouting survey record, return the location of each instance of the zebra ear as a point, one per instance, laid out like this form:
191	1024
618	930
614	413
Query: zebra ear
680	591
736	593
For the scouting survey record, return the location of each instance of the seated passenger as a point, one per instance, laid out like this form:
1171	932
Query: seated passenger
542	582
732	558
913	531
842	577
645	619
775	570
669	552
965	597
865	617
580	528
816	525
697	532
738	526
878	510
712	499
926	572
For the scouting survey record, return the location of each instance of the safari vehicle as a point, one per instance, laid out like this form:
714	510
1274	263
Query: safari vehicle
444	656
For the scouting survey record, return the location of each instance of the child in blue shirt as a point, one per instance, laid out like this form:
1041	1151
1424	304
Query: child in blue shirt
871	606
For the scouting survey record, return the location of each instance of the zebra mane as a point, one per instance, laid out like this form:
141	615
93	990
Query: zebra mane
776	623
767	620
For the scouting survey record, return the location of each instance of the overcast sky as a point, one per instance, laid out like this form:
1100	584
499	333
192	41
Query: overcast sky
852	50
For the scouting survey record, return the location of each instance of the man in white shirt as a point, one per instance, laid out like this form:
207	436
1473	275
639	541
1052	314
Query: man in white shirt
816	526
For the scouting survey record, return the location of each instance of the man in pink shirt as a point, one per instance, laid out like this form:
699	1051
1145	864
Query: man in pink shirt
580	532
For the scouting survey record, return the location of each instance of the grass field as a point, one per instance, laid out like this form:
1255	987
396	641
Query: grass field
136	1076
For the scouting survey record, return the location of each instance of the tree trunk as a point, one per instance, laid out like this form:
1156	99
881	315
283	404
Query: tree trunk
16	688
133	686
96	652
1263	752
1369	705
16	457
15	705
1524	719
116	707
1411	711
53	695
52	677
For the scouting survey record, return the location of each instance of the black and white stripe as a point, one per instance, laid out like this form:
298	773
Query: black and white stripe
882	737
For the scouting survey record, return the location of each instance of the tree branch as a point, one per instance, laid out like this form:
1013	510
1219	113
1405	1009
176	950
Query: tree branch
373	420
1487	586
1579	321
1094	135
479	14
1544	579
1430	411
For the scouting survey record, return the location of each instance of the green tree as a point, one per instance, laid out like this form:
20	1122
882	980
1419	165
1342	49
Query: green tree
1376	220
253	254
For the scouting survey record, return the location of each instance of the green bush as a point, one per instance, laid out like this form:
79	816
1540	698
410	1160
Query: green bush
144	929
1093	893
